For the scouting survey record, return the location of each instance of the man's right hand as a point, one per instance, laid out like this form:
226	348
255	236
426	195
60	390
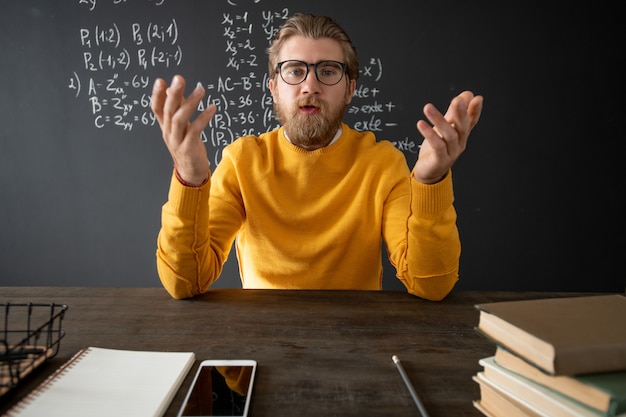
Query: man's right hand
182	135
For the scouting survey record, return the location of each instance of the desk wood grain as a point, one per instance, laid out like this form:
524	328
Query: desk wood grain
319	352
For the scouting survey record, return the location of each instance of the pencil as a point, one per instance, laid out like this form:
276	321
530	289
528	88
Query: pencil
409	385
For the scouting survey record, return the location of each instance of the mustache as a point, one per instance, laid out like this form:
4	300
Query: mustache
310	101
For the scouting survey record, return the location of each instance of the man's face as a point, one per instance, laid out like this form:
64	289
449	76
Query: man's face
311	112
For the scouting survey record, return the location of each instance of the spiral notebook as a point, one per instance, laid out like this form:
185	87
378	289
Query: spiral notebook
109	382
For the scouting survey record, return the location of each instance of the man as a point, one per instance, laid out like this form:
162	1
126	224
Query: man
310	202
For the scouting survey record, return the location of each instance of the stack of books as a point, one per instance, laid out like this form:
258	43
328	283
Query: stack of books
556	357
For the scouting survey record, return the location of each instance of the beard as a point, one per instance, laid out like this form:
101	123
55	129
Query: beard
310	131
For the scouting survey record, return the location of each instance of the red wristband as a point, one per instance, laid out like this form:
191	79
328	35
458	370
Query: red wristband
186	184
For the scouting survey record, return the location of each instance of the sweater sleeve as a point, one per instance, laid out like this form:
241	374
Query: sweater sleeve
185	262
430	266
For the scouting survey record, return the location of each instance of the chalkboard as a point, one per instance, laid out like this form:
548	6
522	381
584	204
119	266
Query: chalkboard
84	171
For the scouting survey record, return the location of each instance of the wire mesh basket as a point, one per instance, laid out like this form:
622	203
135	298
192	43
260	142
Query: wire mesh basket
30	335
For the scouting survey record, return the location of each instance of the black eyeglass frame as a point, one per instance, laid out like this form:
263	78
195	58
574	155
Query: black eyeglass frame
343	65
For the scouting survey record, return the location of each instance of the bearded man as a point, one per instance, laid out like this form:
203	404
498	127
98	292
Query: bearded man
310	203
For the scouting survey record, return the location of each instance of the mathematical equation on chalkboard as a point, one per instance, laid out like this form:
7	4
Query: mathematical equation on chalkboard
119	60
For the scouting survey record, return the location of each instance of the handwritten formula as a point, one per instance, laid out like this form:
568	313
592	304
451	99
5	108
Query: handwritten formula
122	53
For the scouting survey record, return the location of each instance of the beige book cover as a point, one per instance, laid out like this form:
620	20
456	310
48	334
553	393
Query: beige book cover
562	336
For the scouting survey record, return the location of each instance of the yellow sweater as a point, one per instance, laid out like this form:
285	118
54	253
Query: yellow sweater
310	220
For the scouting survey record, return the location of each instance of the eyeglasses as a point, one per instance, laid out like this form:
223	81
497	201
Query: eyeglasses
294	72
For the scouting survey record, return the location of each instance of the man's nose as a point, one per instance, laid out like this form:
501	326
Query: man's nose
310	81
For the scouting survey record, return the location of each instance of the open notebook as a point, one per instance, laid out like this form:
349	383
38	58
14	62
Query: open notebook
109	382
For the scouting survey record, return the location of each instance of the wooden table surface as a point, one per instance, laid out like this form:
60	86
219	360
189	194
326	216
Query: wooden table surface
319	352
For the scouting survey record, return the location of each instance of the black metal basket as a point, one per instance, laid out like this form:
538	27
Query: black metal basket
30	335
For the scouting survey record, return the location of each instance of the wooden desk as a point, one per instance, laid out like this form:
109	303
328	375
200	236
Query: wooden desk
319	352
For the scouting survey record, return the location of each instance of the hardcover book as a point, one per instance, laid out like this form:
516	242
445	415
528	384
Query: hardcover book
539	398
562	336
605	391
497	403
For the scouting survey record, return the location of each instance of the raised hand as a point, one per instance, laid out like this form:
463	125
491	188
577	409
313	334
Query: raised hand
182	135
446	139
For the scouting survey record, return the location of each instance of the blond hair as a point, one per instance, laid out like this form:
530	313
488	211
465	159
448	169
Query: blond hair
315	27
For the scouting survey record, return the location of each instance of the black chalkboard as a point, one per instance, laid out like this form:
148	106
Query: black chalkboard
84	172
